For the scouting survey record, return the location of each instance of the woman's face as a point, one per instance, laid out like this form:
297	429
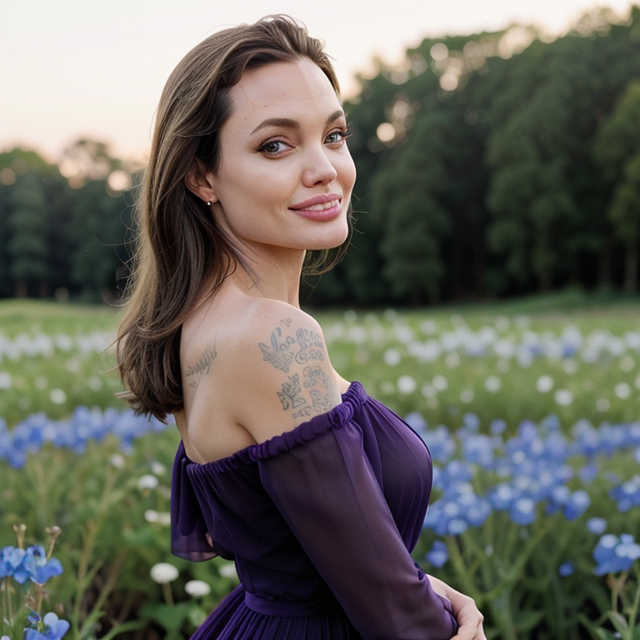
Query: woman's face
285	175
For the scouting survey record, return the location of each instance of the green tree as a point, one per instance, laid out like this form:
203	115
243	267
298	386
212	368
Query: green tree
99	229
546	206
27	245
616	148
413	221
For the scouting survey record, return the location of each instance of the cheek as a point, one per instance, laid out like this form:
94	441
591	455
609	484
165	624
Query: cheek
347	171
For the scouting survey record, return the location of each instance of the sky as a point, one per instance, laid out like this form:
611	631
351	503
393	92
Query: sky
79	68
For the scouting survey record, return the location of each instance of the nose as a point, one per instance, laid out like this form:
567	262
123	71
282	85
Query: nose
318	168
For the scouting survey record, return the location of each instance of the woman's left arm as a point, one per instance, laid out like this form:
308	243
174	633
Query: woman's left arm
467	613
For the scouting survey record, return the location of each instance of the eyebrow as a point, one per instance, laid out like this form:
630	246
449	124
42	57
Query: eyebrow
293	124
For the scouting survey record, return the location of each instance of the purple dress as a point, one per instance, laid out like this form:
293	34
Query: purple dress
320	522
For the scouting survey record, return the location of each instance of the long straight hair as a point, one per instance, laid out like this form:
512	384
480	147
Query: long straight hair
182	257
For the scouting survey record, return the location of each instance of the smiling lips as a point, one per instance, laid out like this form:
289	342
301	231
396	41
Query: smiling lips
319	208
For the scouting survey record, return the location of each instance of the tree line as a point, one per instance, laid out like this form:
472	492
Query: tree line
489	165
66	228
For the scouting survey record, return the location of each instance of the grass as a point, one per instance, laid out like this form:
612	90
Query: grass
33	316
380	348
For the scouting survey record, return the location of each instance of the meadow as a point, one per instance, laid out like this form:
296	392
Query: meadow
531	410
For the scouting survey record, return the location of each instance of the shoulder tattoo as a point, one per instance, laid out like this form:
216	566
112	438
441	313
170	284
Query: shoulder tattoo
194	373
303	394
286	347
312	397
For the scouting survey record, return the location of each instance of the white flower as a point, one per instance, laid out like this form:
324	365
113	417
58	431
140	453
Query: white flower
544	384
570	366
452	360
440	383
73	365
390	315
117	460
429	327
392	357
94	383
197	588
503	366
5	380
563	397
467	396
622	390
603	405
406	384
493	384
428	391
627	363
157	468
151	515
147	482
163	572
58	396
228	570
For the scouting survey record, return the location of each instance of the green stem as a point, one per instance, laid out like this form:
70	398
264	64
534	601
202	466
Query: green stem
8	608
500	606
635	609
168	593
460	568
84	574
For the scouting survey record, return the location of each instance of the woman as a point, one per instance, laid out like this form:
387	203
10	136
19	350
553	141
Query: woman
317	491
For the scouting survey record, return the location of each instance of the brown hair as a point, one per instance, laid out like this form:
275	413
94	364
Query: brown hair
182	256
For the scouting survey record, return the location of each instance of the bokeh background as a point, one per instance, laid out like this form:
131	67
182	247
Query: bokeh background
490	297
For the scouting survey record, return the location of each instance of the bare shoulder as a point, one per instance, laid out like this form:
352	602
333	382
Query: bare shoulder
251	369
281	371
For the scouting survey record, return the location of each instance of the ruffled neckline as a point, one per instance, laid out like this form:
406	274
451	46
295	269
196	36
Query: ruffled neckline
338	416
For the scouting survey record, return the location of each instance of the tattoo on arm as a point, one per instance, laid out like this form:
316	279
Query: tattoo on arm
195	372
320	388
311	392
284	348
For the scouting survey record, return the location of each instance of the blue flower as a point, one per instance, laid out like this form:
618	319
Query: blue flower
614	554
11	559
523	511
439	554
565	569
597	525
478	449
498	427
30	564
577	504
627	494
38	567
49	628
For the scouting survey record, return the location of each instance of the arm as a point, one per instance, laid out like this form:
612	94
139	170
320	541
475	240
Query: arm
330	498
326	490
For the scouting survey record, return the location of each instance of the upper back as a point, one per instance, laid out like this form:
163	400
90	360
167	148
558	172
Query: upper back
252	368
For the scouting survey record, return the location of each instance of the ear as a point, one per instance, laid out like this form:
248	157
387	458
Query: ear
201	183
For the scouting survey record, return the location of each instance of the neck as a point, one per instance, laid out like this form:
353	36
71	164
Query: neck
277	279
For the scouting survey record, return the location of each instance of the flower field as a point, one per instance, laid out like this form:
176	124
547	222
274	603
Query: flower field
532	416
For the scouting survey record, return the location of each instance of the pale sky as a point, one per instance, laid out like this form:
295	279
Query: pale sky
82	68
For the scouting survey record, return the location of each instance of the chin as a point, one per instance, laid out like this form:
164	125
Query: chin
322	246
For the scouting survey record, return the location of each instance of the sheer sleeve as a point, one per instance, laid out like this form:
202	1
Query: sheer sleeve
189	536
329	496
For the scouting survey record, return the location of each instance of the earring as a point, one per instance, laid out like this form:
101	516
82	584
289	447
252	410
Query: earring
208	203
